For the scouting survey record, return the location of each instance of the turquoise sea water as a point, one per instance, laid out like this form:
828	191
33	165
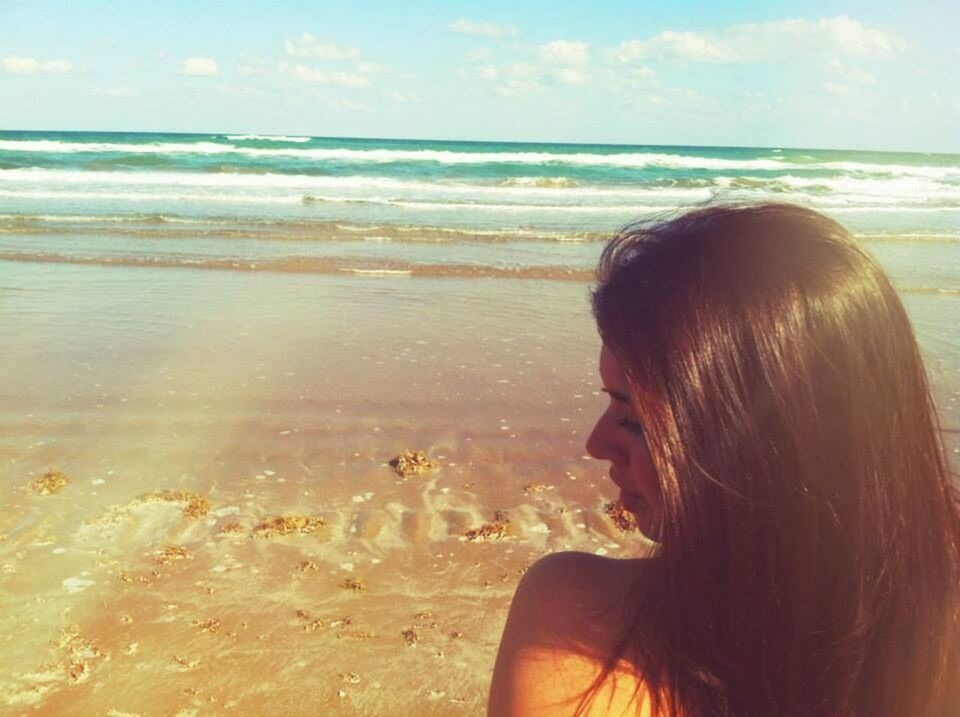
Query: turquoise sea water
505	190
468	209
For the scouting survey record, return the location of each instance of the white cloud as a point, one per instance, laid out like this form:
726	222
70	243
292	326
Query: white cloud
303	73
570	76
478	55
517	87
200	67
643	73
115	92
348	79
485	29
521	78
525	70
843	31
348	105
777	39
564	53
31	66
308	46
241	91
678	46
835	88
851	75
368	67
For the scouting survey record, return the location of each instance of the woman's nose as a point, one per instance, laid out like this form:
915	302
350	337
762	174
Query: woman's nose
598	442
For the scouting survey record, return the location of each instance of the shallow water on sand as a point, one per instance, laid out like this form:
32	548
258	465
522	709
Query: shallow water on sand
271	395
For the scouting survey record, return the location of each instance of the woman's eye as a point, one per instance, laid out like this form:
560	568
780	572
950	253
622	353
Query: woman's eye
633	426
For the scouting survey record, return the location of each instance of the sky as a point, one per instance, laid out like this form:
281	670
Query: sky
854	75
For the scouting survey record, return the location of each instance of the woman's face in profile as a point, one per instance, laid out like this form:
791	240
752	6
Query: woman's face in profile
618	437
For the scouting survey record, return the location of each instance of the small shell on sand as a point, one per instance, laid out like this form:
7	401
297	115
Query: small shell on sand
411	463
50	482
77	585
289	524
185	663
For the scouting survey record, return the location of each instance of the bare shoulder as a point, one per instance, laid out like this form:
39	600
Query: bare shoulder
565	620
583	576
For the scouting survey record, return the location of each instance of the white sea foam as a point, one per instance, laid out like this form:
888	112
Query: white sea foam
143	197
380	272
355	187
894	187
267	138
57	147
823	192
841	191
540	182
615	159
298	199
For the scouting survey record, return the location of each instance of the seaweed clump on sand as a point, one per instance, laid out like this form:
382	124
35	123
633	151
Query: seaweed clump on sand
50	482
621	517
497	530
170	554
78	655
410	637
532	489
355	584
412	463
289	525
195	506
211	625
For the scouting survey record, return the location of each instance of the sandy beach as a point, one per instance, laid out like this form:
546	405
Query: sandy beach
231	537
206	376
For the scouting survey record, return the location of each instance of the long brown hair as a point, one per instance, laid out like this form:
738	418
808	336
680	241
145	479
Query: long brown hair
809	547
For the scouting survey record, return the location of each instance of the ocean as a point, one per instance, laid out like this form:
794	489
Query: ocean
218	342
325	205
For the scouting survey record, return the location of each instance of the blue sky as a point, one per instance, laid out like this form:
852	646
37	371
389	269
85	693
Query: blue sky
825	74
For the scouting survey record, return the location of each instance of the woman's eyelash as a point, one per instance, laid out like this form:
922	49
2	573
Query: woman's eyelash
631	426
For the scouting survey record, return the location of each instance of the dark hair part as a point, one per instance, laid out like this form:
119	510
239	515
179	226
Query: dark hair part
809	547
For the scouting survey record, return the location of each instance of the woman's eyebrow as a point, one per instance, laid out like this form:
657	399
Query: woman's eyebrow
623	398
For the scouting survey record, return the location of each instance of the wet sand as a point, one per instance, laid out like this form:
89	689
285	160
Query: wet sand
231	538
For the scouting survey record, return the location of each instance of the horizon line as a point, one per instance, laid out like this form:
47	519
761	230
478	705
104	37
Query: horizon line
781	147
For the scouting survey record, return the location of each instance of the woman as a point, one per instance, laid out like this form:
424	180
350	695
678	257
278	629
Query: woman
771	426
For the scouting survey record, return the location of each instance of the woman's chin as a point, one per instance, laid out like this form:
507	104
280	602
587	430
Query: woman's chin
642	510
635	503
